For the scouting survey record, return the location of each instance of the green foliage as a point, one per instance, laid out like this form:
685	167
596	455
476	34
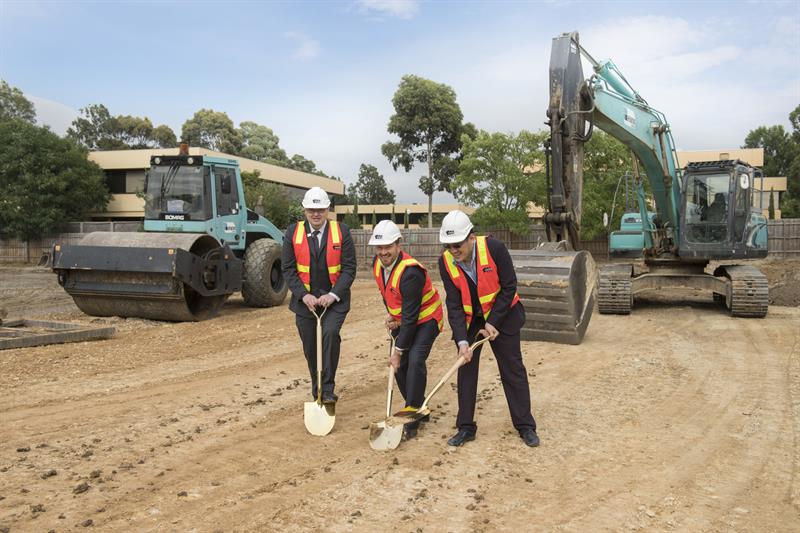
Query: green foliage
427	121
501	173
273	198
781	158
261	144
370	188
97	129
487	218
45	181
352	219
405	219
14	105
771	208
605	161
374	218
213	130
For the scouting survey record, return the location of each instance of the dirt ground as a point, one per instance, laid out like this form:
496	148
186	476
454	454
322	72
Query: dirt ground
675	418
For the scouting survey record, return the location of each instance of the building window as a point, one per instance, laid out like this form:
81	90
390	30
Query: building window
115	179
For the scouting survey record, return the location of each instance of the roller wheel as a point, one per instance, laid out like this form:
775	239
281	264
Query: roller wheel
263	284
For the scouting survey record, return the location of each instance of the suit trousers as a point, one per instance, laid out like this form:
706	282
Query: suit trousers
331	342
513	375
412	376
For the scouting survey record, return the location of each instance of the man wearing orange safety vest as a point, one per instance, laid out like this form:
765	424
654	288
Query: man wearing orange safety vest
414	313
319	265
482	299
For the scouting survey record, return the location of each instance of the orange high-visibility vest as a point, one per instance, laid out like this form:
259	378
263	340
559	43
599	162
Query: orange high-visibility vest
486	276
333	253
431	306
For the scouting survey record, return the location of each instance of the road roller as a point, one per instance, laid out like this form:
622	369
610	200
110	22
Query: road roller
199	245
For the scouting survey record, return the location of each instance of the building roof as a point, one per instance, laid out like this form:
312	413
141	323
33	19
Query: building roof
140	159
401	208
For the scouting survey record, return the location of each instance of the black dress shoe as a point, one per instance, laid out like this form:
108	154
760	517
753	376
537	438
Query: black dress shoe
329	398
529	437
409	433
460	438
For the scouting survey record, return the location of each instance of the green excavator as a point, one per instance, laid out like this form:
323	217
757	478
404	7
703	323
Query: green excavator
703	212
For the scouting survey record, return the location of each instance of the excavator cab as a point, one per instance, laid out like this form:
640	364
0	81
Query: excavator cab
717	220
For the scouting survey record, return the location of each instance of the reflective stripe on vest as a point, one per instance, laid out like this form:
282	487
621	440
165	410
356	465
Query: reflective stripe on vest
430	306
487	280
333	253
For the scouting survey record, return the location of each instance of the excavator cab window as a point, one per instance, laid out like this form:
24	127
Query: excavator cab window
707	207
227	192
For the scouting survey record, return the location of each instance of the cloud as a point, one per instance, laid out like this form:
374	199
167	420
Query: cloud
402	9
307	48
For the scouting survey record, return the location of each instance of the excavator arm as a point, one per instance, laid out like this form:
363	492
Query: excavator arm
605	100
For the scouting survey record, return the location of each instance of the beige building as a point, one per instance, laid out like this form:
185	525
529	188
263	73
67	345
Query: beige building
762	188
417	213
125	171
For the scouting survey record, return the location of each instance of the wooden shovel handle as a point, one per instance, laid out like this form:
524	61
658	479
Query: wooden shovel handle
319	353
458	364
391	379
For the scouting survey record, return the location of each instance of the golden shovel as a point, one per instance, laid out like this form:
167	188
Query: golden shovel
383	436
404	416
319	418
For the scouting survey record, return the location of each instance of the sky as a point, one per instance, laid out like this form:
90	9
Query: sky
322	74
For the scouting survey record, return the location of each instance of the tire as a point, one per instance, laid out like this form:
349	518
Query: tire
263	284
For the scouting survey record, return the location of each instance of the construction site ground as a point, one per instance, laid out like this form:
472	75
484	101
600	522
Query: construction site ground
675	418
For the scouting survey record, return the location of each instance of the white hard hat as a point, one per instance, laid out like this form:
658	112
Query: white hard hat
456	227
316	198
385	232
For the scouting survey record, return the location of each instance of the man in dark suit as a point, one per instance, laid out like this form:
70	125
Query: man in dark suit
482	299
319	265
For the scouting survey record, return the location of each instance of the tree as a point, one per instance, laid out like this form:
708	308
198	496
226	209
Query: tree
374	219
771	208
370	188
427	121
97	129
45	181
261	144
352	219
298	162
278	206
14	105
781	158
213	130
501	173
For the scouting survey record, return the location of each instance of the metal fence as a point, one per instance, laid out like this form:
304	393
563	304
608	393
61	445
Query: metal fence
422	243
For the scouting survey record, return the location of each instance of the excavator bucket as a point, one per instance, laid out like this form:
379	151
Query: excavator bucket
161	276
557	289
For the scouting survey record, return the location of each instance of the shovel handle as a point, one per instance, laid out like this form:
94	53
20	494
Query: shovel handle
319	353
458	364
391	378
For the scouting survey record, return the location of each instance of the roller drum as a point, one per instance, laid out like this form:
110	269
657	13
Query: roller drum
159	276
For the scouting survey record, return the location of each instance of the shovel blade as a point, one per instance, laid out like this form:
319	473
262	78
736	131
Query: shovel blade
384	437
318	418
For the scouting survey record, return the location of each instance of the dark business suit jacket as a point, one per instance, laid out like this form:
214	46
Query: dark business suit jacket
507	319
411	284
320	281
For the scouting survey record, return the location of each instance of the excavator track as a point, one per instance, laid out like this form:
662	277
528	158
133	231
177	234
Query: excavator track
614	291
749	291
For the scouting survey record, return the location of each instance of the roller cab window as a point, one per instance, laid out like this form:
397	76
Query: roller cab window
178	192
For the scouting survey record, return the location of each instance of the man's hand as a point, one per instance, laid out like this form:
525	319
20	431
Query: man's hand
465	352
391	323
394	359
311	302
489	331
326	300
